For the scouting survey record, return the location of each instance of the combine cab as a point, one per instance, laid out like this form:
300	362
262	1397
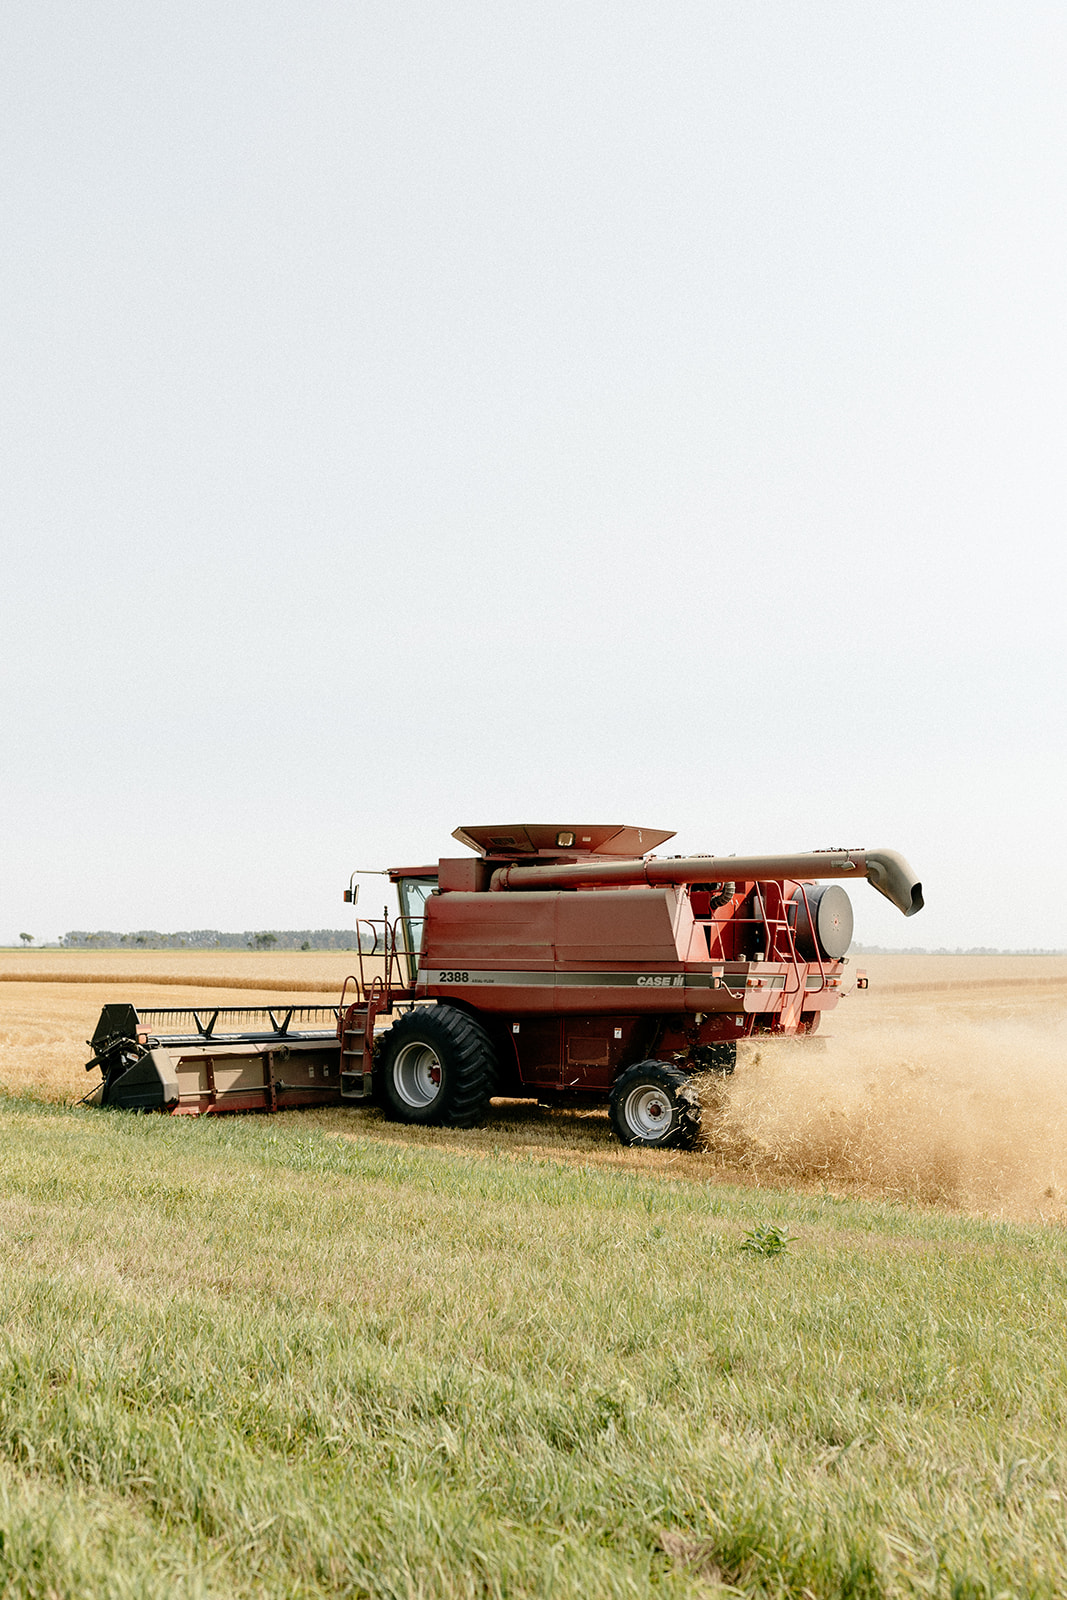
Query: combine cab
555	961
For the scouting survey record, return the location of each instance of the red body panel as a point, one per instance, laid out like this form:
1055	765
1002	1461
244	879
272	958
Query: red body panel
552	931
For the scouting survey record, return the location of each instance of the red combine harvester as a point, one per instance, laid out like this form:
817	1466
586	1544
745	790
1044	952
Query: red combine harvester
556	961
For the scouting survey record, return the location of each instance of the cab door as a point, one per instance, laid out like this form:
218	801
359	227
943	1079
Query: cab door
413	894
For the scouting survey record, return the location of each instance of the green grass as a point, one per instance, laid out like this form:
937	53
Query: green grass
249	1357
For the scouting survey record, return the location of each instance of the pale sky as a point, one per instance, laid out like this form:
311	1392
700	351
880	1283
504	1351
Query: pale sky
428	414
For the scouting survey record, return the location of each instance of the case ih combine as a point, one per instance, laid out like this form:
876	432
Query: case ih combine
554	961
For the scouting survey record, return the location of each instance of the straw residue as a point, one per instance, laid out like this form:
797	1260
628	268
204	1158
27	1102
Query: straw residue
964	1113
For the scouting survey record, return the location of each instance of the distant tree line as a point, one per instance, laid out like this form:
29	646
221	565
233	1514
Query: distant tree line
212	939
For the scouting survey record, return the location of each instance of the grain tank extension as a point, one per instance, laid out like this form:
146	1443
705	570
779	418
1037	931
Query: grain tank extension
557	961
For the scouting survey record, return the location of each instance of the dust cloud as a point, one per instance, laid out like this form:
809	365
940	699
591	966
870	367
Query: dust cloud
969	1114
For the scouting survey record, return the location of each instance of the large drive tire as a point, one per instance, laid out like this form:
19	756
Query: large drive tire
437	1068
656	1106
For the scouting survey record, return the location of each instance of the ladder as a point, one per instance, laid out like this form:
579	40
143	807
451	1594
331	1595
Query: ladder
355	1030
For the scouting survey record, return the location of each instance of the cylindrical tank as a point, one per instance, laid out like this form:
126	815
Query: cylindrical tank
823	925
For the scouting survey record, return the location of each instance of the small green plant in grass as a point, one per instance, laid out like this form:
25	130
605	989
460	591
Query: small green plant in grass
767	1239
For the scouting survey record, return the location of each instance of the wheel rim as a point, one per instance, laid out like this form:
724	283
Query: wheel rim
417	1074
649	1111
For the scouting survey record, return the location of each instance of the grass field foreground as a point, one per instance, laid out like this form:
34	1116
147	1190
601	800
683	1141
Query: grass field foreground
257	1357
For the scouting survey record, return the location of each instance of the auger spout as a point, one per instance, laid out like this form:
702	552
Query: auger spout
886	870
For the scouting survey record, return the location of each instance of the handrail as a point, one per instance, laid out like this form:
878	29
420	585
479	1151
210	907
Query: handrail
772	927
393	950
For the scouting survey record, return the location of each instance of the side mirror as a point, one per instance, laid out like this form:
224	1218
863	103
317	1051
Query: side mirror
352	892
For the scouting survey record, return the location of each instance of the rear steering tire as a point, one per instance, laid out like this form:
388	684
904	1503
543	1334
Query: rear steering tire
437	1069
655	1106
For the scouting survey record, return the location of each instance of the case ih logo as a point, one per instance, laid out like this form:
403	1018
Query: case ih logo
661	980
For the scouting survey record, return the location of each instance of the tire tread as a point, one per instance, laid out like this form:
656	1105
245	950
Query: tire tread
470	1069
684	1133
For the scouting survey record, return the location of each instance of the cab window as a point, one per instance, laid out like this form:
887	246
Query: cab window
413	894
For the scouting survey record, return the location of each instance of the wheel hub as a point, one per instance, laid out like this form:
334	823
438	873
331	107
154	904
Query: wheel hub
648	1112
417	1074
